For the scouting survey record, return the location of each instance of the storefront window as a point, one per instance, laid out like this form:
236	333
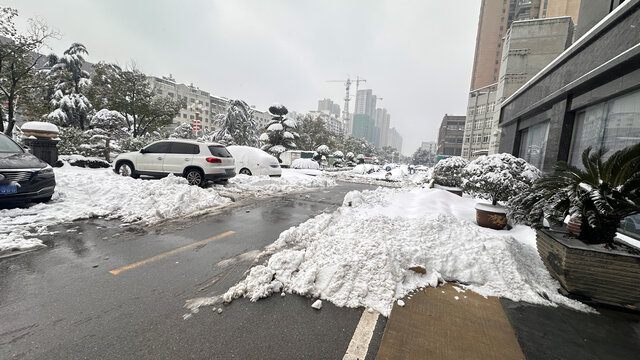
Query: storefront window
614	124
533	144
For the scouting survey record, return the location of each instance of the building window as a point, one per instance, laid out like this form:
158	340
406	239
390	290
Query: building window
184	116
614	124
533	144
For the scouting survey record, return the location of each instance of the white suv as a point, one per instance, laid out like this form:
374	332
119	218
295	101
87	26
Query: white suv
197	161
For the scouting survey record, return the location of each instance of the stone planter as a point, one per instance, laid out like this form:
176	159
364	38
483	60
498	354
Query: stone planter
592	271
453	190
491	216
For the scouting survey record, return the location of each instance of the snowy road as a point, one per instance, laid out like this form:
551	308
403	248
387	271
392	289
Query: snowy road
62	302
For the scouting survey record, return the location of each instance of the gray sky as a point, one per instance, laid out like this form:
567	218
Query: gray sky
417	55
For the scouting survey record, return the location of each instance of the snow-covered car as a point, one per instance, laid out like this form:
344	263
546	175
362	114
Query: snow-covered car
23	177
253	161
197	161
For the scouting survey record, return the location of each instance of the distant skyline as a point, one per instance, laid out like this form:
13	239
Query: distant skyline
416	55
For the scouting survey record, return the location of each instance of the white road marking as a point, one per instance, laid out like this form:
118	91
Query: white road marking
359	344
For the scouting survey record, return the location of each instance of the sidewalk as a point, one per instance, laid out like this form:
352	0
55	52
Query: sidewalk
433	324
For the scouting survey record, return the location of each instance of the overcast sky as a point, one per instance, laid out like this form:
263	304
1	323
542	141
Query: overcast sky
416	55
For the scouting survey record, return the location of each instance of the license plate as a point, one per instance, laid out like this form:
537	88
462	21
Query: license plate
8	189
229	171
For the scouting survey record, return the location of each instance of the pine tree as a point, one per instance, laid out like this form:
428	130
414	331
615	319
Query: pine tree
106	126
237	126
71	106
280	135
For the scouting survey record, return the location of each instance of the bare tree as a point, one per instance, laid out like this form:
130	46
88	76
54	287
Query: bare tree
19	57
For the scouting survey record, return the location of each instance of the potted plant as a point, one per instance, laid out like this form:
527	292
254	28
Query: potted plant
498	178
600	195
447	174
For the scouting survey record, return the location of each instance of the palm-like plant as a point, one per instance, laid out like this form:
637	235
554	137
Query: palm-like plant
602	194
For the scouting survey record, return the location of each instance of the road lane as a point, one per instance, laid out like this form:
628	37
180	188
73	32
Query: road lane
62	302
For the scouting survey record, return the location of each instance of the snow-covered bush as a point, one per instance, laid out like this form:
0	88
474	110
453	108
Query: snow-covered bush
321	152
280	134
360	159
337	159
82	161
73	141
106	125
305	164
183	131
448	172
498	177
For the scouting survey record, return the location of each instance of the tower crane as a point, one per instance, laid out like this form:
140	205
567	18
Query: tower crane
347	98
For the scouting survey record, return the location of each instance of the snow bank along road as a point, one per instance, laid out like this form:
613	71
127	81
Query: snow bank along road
63	302
89	193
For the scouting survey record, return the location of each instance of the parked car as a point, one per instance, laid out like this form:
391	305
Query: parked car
253	161
199	162
23	177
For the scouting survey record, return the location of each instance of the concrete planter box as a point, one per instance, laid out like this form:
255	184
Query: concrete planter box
453	190
605	276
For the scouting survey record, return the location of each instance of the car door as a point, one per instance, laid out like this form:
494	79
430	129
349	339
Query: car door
151	159
179	157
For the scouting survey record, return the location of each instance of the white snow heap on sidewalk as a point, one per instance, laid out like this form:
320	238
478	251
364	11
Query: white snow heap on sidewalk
85	193
361	254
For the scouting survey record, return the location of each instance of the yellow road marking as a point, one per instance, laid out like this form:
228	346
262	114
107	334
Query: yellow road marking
164	255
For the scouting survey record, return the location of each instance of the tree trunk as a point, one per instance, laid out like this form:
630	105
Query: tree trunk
107	150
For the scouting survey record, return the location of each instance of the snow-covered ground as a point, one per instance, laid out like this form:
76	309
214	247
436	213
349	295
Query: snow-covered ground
378	175
85	193
360	255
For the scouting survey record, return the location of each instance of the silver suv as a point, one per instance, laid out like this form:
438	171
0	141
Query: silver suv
197	161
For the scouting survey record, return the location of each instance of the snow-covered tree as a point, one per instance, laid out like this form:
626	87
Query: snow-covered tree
19	55
74	141
183	131
360	159
280	134
105	126
71	106
321	152
423	157
314	132
129	92
448	172
498	177
338	157
237	126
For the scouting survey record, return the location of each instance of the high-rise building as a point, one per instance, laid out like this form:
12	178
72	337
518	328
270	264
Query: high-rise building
395	139
365	103
529	47
450	135
383	121
327	106
555	8
496	17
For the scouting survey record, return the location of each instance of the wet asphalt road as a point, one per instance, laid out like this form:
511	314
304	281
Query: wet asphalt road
62	302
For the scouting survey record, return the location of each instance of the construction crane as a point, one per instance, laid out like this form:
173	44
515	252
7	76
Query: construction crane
347	98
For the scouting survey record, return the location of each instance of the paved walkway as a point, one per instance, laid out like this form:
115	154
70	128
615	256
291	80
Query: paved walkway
435	325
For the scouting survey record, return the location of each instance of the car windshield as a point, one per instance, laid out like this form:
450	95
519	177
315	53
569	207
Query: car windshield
8	146
219	151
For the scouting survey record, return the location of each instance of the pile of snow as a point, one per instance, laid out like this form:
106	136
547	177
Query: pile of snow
290	181
305	164
397	176
86	193
360	255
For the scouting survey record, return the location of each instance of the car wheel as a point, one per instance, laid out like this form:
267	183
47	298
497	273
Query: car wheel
126	169
194	177
245	171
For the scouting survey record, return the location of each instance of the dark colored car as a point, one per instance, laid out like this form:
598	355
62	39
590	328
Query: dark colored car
23	177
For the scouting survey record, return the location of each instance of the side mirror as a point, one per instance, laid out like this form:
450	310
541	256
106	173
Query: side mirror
143	151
